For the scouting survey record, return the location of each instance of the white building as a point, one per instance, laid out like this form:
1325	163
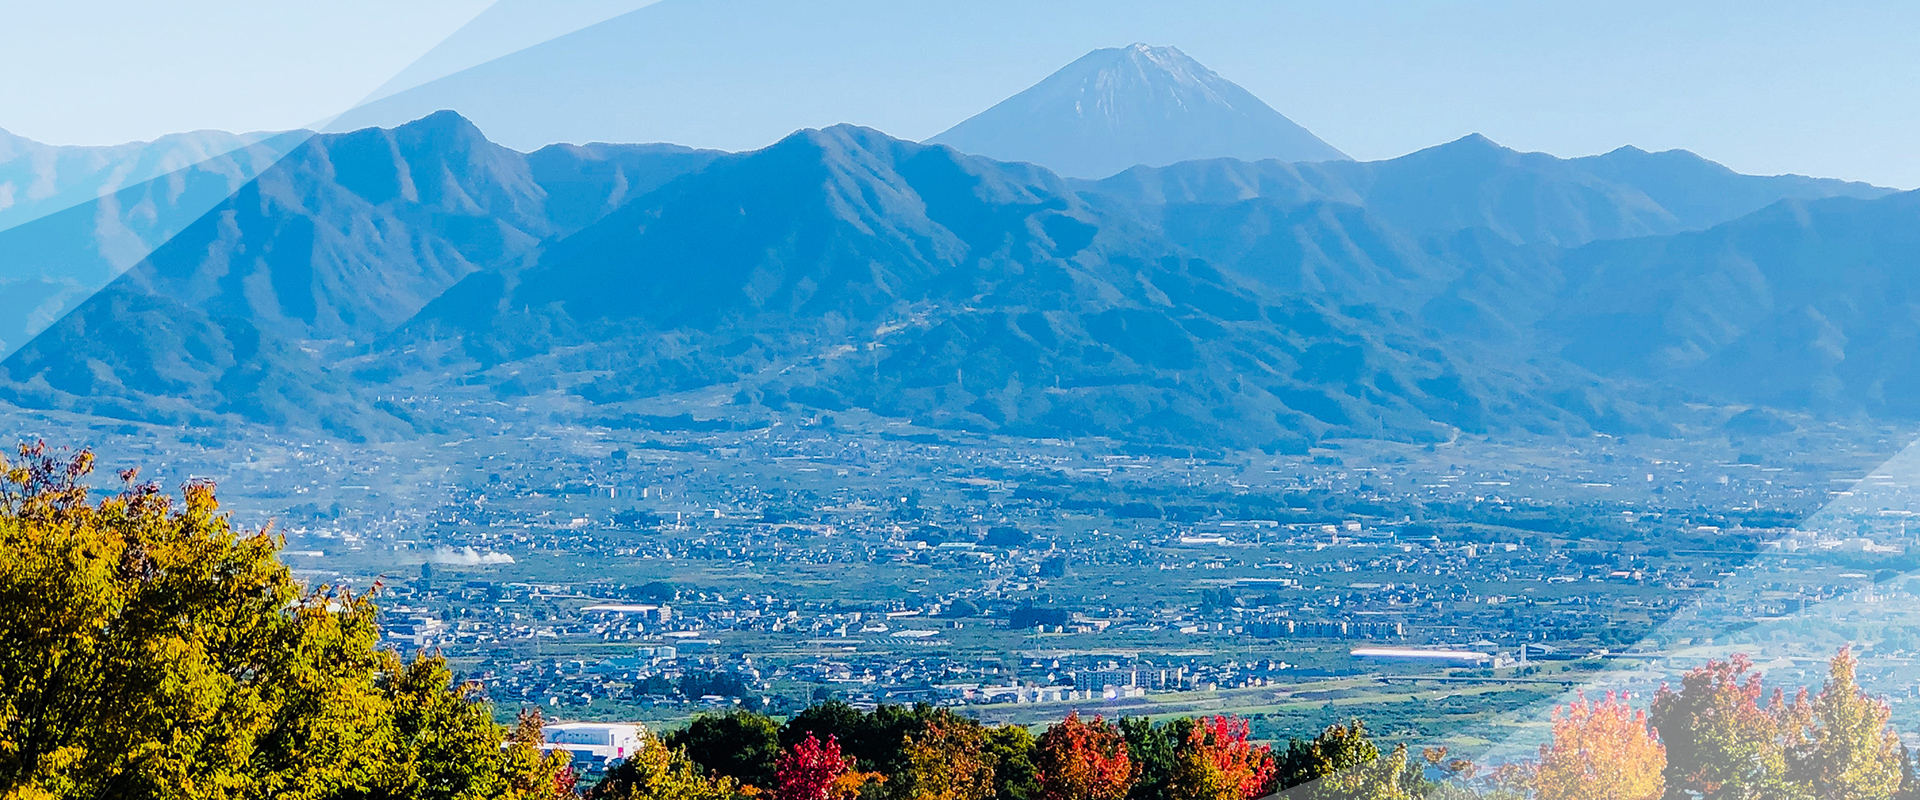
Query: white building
594	741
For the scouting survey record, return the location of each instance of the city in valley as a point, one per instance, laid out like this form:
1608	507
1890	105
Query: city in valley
688	563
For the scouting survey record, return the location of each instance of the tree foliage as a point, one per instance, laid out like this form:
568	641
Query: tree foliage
1219	762
816	770
658	770
1015	775
149	649
1080	760
1601	750
948	760
739	744
1344	763
1726	738
1850	751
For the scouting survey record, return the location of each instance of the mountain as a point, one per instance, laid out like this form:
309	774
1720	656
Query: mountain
1527	198
332	247
1217	304
842	268
1138	105
39	179
1805	305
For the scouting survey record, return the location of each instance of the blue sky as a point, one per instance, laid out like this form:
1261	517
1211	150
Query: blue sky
1823	89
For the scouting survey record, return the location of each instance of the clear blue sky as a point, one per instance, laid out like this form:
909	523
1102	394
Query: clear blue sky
1763	86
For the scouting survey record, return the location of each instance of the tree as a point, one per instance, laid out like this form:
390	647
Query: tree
536	773
1155	751
1080	760
660	771
1015	777
948	760
1343	763
149	649
1218	762
446	743
815	770
1851	752
876	740
1723	741
738	744
1600	751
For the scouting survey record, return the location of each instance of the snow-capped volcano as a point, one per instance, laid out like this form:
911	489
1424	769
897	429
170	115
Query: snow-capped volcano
1137	105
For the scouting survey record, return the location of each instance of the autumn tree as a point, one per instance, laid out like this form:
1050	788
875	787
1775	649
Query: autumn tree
660	771
1601	750
150	649
948	760
1726	737
534	772
1218	761
816	770
1850	751
1080	760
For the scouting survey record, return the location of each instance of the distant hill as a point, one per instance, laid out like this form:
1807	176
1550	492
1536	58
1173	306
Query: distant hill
73	218
1214	303
1138	105
1529	198
39	179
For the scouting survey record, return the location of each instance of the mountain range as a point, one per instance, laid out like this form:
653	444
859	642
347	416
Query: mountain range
1220	303
843	268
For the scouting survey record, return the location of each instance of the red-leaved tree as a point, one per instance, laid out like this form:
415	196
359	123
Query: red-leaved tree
1218	761
816	770
1079	760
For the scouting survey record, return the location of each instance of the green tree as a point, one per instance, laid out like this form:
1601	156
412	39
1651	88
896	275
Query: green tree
1155	748
738	744
1014	776
149	649
1344	763
875	740
1851	752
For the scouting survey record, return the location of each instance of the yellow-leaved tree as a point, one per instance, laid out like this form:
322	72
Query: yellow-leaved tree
1601	750
149	649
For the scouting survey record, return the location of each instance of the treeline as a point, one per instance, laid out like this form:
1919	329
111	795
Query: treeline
1720	735
832	751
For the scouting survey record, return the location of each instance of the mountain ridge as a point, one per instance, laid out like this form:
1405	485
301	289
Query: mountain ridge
1218	304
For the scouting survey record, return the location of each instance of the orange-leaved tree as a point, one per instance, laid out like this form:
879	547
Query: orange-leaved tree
1601	750
1081	760
1218	761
